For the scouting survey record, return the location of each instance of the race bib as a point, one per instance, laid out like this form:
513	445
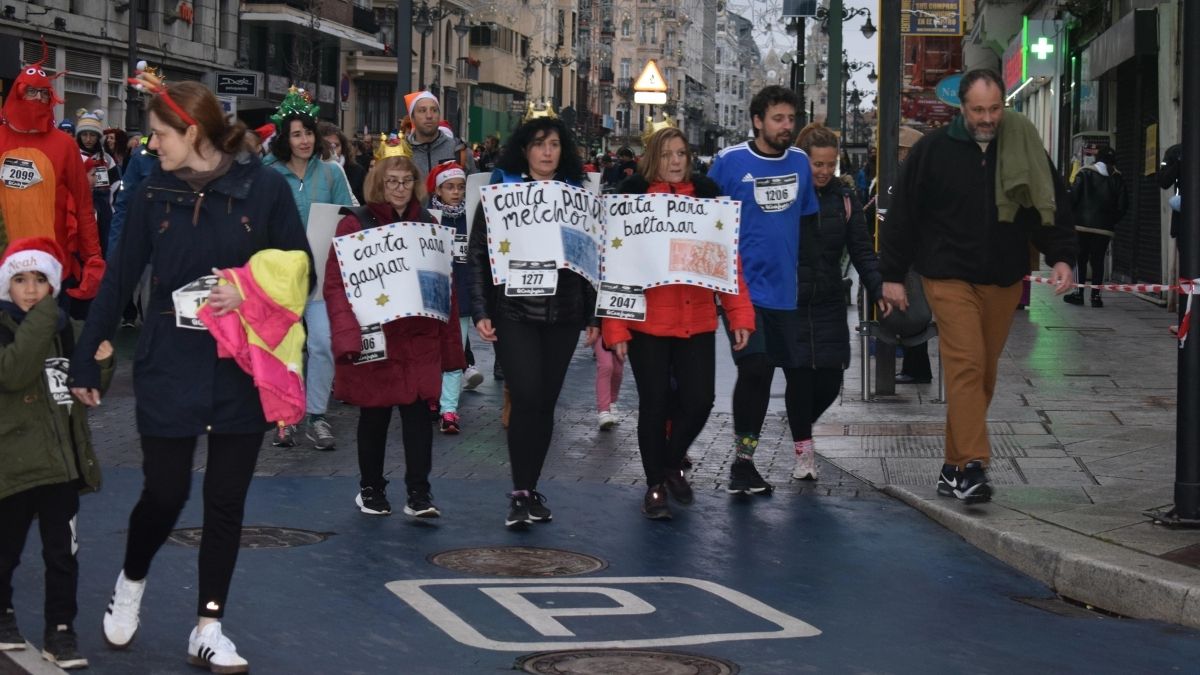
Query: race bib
617	301
101	177
776	193
189	299
531	278
460	248
56	377
19	173
374	345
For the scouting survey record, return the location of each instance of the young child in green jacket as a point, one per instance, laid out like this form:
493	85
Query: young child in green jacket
46	457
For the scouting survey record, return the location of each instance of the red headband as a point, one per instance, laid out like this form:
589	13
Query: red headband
148	80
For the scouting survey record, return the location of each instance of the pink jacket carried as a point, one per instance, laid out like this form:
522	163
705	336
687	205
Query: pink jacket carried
264	335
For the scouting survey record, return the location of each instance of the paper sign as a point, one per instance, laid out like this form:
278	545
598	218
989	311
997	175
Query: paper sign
322	224
657	239
397	270
542	220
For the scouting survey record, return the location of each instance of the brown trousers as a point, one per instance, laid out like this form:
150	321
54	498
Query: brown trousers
973	322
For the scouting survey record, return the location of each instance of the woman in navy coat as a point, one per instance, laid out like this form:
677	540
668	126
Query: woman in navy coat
209	205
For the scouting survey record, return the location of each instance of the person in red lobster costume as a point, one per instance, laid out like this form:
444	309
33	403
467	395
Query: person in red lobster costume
40	170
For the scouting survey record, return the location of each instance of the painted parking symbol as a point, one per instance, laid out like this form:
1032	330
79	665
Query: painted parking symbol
519	615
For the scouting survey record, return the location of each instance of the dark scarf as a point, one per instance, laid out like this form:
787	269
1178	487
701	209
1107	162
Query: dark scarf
456	211
18	315
197	180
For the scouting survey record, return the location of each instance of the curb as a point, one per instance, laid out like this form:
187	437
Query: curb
1074	565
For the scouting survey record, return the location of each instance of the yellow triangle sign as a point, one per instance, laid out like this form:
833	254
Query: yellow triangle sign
650	79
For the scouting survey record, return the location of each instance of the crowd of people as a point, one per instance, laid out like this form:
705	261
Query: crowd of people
201	219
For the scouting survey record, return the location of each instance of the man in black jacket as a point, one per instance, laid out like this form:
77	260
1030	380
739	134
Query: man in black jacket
944	222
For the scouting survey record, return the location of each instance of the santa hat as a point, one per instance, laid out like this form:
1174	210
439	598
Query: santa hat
442	173
31	254
446	130
89	121
265	133
410	100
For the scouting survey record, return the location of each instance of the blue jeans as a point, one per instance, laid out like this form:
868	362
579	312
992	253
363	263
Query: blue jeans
452	381
318	380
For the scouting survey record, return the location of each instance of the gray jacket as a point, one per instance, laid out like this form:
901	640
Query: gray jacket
442	149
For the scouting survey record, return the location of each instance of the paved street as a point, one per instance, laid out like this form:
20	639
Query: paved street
836	576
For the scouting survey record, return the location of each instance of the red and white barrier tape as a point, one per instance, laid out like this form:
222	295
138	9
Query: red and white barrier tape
1189	288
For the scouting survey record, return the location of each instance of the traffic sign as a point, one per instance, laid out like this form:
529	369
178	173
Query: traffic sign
651	79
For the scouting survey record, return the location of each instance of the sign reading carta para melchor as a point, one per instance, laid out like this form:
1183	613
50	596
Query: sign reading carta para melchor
533	224
397	270
658	239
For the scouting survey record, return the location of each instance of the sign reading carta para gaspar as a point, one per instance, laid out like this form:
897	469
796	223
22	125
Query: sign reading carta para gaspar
658	239
542	221
396	271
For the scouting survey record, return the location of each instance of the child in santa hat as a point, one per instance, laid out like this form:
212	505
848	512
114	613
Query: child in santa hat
46	457
447	187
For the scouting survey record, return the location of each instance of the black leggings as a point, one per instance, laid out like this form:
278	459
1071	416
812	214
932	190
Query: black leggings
55	507
654	361
417	433
808	394
167	468
534	357
1092	248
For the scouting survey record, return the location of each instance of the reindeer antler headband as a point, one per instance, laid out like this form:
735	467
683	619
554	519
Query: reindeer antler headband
147	79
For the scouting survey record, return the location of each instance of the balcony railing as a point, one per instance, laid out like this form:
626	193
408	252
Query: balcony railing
364	20
625	83
606	75
467	70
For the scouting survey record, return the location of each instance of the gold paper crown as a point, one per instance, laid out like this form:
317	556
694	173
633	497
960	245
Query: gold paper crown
653	127
394	145
532	113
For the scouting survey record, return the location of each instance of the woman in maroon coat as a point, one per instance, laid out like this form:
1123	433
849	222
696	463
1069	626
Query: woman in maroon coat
399	364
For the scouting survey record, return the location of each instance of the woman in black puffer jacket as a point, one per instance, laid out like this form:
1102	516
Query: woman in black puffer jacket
534	336
821	303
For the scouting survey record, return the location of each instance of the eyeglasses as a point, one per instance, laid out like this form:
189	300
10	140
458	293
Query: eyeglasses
394	183
33	93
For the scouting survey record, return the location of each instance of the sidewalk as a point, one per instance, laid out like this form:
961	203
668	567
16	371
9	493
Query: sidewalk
1083	444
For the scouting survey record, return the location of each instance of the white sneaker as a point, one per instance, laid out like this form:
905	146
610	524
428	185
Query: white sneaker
121	619
472	378
607	420
208	648
806	461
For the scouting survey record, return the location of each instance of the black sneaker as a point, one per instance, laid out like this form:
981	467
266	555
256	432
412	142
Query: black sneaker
948	479
678	486
654	504
10	635
373	501
62	648
537	507
420	505
973	485
518	512
745	479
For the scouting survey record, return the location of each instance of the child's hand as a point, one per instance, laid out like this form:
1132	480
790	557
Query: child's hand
104	351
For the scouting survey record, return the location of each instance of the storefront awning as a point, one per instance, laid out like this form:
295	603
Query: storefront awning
1135	34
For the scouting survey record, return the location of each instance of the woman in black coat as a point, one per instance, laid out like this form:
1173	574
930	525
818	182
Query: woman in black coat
210	204
824	347
534	336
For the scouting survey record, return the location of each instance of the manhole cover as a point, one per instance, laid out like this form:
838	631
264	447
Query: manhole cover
517	561
255	537
623	662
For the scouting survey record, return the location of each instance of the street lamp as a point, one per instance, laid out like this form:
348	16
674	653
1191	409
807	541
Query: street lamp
868	28
554	63
424	19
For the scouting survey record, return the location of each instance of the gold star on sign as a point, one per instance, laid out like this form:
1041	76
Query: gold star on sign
362	237
505	246
616	242
382	300
720	225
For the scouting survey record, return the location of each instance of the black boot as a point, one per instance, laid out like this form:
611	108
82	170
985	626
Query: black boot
1096	301
1074	298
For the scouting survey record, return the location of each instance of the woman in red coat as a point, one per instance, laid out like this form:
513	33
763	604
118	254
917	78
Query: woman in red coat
403	361
677	339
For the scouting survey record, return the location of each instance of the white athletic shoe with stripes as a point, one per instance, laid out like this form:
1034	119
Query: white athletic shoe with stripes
208	648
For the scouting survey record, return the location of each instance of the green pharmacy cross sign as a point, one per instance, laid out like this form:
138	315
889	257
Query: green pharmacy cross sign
1042	48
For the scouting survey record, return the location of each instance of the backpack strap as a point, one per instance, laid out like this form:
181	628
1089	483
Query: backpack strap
846	204
365	217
